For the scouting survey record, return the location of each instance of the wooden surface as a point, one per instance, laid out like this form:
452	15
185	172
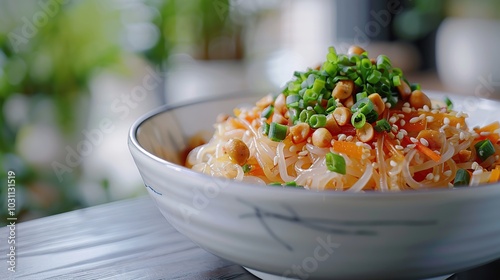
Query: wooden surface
121	240
124	240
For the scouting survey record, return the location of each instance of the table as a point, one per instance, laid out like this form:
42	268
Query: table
127	239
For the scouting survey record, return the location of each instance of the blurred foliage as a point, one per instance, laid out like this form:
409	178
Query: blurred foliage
51	50
49	53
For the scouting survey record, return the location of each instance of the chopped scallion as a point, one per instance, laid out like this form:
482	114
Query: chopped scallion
382	125
265	128
277	132
317	121
335	163
267	112
484	149
358	119
462	178
449	103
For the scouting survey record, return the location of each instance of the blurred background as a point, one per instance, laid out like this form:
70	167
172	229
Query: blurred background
74	75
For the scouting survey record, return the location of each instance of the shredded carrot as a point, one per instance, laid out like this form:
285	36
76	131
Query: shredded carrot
428	152
491	134
348	148
388	143
495	175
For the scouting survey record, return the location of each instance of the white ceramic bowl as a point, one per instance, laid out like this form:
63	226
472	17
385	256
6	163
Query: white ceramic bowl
296	233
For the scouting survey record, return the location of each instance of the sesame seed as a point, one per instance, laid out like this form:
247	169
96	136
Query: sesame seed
414	119
447	173
406	104
342	137
462	135
424	142
429	176
303	153
399	147
394	128
421	116
458	125
477	172
475	165
401	115
437	152
435	111
411	146
413	139
393	163
436	178
429	118
446	120
485	133
404	131
426	108
359	144
406	109
402	122
388	105
349	138
367	146
400	135
393	119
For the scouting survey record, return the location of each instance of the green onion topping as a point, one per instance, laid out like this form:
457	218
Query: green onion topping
265	128
317	121
484	149
358	120
448	102
335	163
462	178
266	113
277	132
382	125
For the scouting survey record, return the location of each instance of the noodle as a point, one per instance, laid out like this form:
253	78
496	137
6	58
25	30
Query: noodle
331	130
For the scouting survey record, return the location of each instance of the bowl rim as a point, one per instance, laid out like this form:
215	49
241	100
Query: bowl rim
132	139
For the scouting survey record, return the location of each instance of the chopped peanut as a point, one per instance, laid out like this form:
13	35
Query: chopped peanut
366	133
265	101
377	101
331	124
418	99
464	156
237	151
279	118
354	49
321	137
280	104
342	115
348	102
300	132
404	90
343	89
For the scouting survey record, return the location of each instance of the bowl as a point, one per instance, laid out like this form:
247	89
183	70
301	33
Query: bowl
300	234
